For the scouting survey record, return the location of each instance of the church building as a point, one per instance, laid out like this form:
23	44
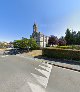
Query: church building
40	38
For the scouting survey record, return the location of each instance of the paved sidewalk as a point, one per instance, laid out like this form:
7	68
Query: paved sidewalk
74	67
59	63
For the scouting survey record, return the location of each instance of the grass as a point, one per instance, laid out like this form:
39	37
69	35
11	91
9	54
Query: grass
76	47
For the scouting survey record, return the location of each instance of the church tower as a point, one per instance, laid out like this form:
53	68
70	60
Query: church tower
35	28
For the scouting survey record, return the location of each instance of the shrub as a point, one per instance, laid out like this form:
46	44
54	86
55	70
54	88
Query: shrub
61	53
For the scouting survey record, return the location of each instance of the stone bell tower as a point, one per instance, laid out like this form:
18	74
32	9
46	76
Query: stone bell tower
35	28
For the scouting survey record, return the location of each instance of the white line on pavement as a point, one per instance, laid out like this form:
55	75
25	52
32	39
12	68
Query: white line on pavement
7	55
47	74
48	65
3	56
42	80
46	68
35	88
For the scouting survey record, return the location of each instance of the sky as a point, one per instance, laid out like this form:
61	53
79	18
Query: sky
53	17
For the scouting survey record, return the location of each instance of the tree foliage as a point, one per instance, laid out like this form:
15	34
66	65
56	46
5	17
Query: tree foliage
33	44
53	40
62	41
72	38
25	43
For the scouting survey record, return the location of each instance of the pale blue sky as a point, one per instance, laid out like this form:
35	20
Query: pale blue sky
52	16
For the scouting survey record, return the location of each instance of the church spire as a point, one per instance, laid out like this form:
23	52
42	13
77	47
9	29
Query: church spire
35	28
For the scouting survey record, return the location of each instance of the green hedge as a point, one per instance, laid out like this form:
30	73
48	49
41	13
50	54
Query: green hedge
61	53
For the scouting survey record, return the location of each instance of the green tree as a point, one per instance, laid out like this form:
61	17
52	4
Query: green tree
32	44
25	43
21	44
78	38
62	41
68	37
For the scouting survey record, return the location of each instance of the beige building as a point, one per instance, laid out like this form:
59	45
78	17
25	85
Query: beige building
40	38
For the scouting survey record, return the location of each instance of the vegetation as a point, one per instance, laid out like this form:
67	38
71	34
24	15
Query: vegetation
61	53
3	45
68	47
53	40
62	41
72	38
77	47
25	43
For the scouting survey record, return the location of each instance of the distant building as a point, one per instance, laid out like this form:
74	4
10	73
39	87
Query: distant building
40	38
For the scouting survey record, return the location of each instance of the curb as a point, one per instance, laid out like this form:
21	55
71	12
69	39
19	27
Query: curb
63	67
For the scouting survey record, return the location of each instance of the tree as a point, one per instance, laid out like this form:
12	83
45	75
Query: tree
62	41
32	44
21	44
68	37
53	40
78	38
25	43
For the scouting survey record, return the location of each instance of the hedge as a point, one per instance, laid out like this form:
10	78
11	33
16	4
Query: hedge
61	53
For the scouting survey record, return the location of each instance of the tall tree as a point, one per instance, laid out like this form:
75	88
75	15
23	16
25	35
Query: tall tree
78	38
68	37
25	43
32	44
62	41
53	40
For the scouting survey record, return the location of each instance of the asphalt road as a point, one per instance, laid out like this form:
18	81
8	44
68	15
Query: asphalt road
25	74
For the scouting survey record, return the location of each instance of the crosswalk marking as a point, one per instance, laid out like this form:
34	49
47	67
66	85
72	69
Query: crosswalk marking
4	56
42	80
45	71
48	65
35	88
46	68
47	74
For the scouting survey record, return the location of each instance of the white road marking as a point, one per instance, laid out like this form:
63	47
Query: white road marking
42	80
7	55
35	88
47	74
3	56
48	65
46	68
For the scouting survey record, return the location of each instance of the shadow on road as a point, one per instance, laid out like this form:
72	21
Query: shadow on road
14	51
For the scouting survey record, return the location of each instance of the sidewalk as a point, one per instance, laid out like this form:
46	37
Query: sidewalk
74	67
63	64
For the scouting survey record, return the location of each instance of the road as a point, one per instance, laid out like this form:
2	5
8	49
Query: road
25	74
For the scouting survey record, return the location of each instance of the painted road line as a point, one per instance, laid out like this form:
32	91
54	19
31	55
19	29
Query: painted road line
7	55
47	74
42	80
3	56
48	65
46	68
35	88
